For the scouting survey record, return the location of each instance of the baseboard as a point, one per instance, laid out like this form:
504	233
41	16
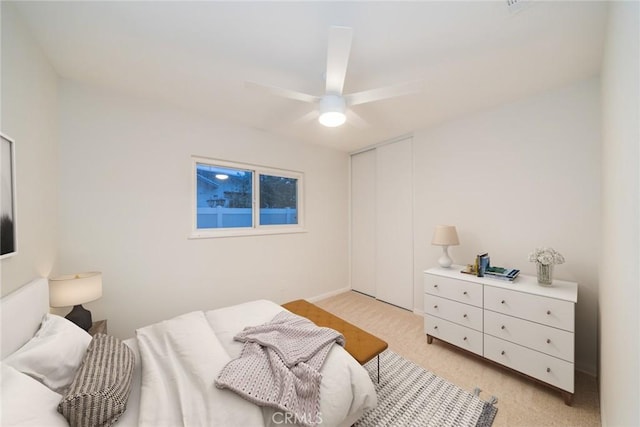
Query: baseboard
328	294
418	312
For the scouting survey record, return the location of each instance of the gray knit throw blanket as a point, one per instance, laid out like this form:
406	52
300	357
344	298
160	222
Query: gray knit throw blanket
279	366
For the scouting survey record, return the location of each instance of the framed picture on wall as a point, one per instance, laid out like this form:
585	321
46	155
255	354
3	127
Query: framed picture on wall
8	240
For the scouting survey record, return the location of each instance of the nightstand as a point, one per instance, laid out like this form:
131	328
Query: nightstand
99	327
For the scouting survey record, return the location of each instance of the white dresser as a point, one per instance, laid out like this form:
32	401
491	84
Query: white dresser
521	325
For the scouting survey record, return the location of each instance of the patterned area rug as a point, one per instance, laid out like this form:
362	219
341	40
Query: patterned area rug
408	395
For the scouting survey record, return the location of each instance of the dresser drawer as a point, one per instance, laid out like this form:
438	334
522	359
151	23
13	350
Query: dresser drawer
452	333
554	342
546	368
548	311
457	290
462	314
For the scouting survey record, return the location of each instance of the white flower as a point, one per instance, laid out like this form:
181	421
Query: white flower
546	256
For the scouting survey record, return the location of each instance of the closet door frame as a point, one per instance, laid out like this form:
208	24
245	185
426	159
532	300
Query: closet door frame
389	266
362	221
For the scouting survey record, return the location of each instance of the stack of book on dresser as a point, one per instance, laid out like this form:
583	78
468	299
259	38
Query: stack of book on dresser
502	273
482	268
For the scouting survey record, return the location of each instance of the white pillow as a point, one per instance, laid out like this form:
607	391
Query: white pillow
54	354
26	402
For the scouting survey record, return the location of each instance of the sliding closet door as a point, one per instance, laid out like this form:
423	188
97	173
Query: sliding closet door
363	225
394	224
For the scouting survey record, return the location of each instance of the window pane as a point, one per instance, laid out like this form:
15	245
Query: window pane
224	197
278	200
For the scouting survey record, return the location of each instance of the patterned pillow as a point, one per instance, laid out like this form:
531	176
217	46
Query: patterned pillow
99	392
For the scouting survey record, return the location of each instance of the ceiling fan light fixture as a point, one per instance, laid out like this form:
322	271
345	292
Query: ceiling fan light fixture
332	119
332	111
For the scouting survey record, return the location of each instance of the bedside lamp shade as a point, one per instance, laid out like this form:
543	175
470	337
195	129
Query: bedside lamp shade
445	236
74	290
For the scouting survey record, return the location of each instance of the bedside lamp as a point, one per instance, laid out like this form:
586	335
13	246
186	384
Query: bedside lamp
445	236
74	290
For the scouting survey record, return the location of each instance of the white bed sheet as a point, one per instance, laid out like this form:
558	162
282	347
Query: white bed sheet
181	358
346	390
26	402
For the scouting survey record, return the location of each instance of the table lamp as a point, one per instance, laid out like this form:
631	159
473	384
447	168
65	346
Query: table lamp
445	236
74	290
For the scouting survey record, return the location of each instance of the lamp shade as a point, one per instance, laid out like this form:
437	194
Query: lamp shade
445	235
75	289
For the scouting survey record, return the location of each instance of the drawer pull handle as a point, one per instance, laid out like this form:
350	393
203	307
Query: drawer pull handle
548	341
548	369
464	339
435	327
435	286
464	293
464	315
502	302
435	306
502	327
502	352
548	311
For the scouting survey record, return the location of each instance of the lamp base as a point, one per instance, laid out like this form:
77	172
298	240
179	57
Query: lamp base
445	260
80	316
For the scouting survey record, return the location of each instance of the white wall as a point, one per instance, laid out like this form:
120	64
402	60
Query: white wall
29	116
517	177
619	273
125	168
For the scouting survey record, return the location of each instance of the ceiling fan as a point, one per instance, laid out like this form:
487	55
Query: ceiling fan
333	105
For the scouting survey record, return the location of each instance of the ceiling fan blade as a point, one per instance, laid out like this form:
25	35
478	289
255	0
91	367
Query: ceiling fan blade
355	120
310	116
285	93
384	92
338	58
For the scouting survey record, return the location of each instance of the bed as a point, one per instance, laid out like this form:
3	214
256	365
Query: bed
167	388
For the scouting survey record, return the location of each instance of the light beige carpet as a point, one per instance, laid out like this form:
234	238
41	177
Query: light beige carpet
521	402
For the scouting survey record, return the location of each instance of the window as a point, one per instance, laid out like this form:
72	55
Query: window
234	199
278	200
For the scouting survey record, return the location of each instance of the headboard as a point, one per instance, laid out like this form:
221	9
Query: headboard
22	311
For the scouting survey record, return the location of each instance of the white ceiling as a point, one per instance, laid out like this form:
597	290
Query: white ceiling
197	55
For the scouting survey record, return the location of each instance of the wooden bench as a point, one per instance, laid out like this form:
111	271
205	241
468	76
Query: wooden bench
360	344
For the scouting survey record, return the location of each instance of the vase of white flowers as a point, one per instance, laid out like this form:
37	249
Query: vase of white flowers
545	259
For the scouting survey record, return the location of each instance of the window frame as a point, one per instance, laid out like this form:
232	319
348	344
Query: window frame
256	229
